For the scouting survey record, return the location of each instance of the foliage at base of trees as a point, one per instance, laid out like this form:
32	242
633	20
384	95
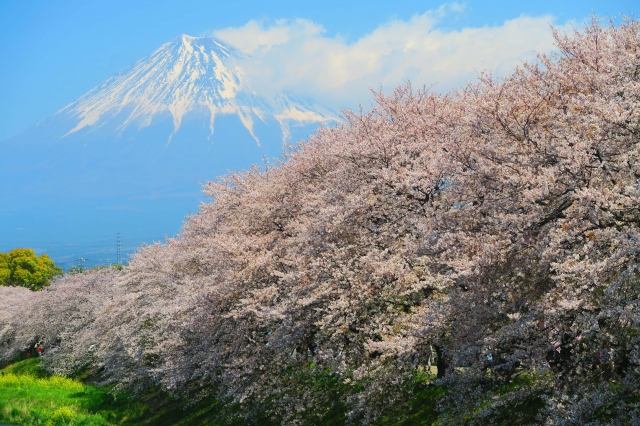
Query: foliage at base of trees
23	268
496	227
78	269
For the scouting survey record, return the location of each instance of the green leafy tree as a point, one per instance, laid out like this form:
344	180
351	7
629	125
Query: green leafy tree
22	267
75	270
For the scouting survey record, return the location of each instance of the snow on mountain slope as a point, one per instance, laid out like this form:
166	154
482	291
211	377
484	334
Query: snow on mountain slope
185	75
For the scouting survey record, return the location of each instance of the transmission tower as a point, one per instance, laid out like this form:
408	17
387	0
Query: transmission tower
119	249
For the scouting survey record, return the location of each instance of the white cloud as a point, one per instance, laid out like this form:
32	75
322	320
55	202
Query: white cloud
297	55
253	36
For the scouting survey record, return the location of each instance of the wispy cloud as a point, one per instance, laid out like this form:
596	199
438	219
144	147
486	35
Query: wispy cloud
298	55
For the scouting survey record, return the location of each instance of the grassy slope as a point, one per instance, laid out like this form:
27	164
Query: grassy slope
30	396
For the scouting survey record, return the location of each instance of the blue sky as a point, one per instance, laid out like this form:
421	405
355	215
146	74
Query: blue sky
54	51
332	51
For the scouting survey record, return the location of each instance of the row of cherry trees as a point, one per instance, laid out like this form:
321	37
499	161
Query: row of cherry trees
497	224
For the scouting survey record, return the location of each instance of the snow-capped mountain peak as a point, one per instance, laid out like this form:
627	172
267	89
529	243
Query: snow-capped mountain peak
185	75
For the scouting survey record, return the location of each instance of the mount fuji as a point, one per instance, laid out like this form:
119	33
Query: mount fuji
127	156
186	75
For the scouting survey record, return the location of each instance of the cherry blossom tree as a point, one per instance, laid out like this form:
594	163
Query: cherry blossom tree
497	224
15	307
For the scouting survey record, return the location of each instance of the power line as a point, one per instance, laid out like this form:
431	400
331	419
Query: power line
119	249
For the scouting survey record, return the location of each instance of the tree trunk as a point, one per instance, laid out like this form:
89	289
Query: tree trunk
442	362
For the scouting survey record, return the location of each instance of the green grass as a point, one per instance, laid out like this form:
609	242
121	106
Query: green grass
30	396
421	410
